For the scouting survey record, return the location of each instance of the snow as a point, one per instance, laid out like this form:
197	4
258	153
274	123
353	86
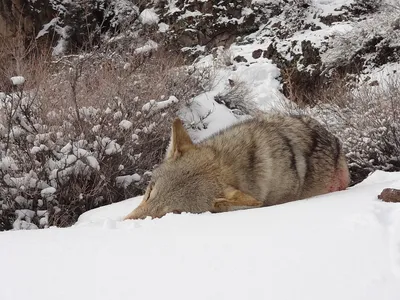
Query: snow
125	124
92	162
111	147
148	46
37	149
190	14
263	80
162	27
21	224
149	16
172	7
331	6
46	27
17	80
344	245
48	192
96	128
153	106
259	76
8	163
385	75
62	43
126	180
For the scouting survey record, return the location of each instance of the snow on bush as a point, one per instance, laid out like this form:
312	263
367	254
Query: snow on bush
149	17
65	170
147	47
17	80
89	136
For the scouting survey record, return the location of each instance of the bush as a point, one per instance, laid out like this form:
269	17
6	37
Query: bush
373	42
88	133
237	98
367	122
360	7
58	170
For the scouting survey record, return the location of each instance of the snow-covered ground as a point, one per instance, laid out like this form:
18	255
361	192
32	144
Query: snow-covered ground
344	245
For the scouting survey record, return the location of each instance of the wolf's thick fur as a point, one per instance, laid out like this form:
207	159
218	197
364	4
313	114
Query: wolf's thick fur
258	162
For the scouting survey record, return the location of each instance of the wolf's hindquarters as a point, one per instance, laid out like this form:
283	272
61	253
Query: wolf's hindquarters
327	168
341	179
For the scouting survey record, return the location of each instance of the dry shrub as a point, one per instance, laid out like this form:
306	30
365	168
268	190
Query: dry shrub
19	55
87	135
303	87
223	57
366	119
237	97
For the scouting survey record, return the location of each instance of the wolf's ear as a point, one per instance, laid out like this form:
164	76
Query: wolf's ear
233	197
180	141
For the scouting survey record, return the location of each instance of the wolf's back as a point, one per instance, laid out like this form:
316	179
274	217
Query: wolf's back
280	158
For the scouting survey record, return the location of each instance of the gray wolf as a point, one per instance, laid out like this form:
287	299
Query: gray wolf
259	162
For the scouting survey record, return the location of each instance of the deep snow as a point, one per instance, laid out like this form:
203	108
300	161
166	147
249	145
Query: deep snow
344	245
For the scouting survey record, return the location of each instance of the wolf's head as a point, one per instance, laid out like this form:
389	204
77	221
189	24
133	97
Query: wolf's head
189	180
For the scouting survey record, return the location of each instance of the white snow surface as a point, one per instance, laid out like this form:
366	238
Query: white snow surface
344	245
149	16
125	124
153	106
48	191
17	80
46	27
148	46
62	43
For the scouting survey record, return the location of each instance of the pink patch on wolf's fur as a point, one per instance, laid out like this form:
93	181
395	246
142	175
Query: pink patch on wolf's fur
340	181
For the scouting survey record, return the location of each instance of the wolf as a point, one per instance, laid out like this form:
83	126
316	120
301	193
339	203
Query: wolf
258	162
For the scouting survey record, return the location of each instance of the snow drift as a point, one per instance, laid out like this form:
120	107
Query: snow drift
344	245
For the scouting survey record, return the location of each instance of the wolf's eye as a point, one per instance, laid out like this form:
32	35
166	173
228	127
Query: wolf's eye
176	212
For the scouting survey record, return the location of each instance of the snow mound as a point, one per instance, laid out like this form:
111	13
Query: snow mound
344	245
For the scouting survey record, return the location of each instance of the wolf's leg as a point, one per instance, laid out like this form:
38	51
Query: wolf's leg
235	197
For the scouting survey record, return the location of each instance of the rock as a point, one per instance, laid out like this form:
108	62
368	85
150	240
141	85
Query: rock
219	24
240	58
310	54
273	54
330	19
396	24
374	83
390	195
257	53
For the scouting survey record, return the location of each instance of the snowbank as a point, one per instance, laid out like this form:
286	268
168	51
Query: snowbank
344	245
